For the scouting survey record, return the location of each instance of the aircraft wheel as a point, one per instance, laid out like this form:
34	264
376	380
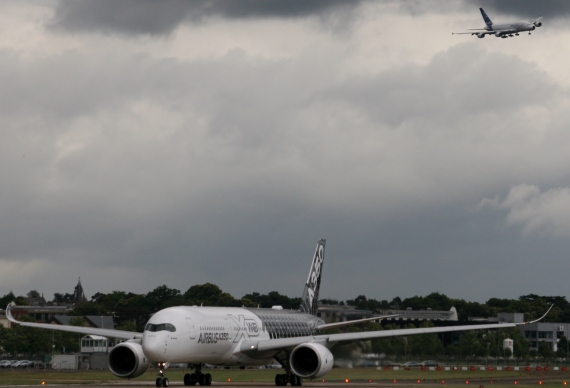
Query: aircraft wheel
187	379
193	379
158	382
279	380
202	379
208	379
165	382
296	381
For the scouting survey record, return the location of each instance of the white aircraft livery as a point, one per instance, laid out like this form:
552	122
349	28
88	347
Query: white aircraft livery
503	30
231	336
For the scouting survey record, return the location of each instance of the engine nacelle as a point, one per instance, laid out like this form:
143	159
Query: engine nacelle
128	360
480	36
311	360
498	34
538	24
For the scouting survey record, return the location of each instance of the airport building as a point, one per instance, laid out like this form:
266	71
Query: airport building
534	332
545	332
95	351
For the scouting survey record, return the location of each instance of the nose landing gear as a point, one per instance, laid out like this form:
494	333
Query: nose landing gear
162	381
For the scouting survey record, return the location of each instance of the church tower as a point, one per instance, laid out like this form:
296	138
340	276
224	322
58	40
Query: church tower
78	294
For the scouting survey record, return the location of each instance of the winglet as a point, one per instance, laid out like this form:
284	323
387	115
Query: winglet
9	313
539	319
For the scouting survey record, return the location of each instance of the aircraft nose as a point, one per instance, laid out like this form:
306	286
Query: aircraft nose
154	346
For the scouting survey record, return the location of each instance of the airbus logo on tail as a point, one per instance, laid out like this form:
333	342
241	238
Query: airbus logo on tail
315	273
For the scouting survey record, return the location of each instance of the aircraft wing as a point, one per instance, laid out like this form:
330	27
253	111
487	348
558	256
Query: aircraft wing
331	339
473	33
346	323
535	20
120	334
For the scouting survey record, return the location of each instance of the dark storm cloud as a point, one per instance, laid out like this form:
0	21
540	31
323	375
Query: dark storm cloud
411	91
161	17
525	9
248	162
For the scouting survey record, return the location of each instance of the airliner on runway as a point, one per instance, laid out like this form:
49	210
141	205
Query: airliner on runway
230	336
503	30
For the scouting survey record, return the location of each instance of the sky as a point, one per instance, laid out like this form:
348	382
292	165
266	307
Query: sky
177	143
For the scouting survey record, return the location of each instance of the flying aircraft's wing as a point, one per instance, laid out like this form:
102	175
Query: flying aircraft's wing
535	20
288	343
120	334
473	33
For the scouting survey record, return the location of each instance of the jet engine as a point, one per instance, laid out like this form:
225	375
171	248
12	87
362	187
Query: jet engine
498	34
311	360
480	36
538	24
128	360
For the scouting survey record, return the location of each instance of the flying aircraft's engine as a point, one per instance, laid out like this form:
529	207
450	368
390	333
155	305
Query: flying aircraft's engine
538	24
498	34
480	36
311	360
128	360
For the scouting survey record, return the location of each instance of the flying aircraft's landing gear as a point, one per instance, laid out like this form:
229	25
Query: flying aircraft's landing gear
283	379
161	381
198	377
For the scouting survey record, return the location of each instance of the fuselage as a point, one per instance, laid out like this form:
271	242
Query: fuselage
213	334
516	26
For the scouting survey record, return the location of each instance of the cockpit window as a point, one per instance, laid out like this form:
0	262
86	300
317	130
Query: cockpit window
160	327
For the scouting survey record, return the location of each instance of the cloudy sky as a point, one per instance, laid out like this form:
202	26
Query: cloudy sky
182	142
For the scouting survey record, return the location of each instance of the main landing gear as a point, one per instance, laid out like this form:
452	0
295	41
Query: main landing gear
290	377
161	381
198	377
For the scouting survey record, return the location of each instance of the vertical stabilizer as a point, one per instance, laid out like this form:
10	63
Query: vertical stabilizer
310	298
488	21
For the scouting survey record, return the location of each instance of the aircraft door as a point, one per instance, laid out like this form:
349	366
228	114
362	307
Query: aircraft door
191	328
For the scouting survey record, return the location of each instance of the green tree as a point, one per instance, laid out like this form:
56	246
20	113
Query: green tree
62	298
136	309
273	298
6	299
163	297
203	294
544	350
88	308
426	344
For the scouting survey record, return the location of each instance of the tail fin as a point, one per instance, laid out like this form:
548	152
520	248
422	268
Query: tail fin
488	21
309	301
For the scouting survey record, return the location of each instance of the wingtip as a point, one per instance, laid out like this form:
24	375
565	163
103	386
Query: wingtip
541	318
9	312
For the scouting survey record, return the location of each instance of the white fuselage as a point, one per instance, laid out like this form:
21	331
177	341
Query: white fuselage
213	334
514	27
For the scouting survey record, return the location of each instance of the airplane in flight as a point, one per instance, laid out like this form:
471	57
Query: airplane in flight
503	30
231	336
